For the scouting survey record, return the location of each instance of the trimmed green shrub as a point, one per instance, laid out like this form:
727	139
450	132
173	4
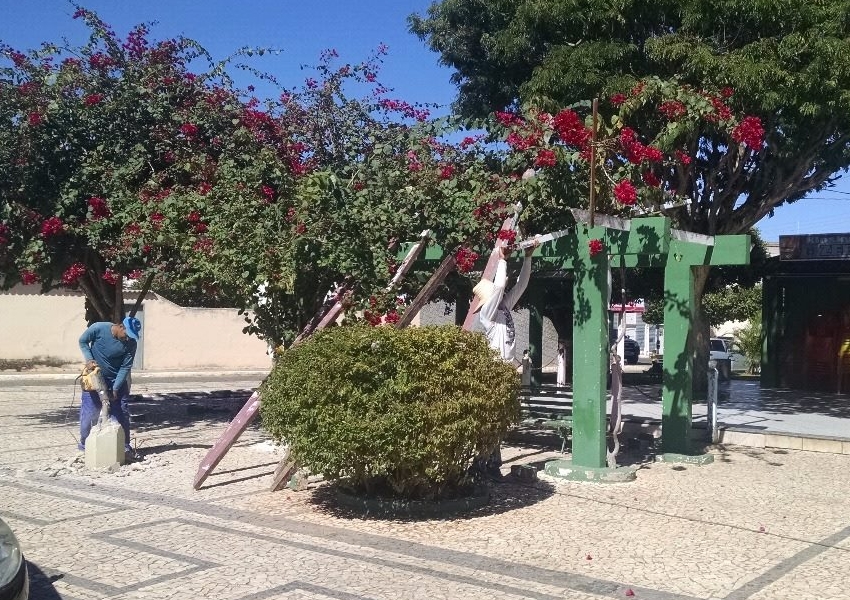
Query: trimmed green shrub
391	412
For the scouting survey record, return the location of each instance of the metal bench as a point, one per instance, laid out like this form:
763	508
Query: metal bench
548	407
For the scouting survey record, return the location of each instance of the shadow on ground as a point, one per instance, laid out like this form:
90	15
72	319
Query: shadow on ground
150	412
505	496
41	583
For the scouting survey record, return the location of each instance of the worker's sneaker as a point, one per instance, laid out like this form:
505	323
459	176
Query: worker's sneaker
133	456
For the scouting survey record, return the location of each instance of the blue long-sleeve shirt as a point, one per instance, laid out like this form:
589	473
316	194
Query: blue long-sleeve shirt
112	355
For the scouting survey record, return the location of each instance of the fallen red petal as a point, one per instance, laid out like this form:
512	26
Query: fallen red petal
629	592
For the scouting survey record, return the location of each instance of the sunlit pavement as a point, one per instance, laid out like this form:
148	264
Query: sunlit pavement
757	523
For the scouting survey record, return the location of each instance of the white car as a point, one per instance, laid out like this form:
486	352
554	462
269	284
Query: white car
721	348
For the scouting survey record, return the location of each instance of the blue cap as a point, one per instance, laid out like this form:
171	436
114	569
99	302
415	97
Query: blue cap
133	327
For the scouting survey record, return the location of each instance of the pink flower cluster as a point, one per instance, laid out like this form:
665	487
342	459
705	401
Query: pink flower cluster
93	99
29	277
617	99
98	208
73	273
447	172
190	130
673	110
52	226
110	276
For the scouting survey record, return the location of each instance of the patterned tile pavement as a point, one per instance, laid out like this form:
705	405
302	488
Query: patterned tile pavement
757	524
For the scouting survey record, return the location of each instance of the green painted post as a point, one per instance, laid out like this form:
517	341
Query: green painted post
535	343
679	305
676	393
590	357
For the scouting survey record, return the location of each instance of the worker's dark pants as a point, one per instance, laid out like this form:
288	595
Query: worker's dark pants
90	406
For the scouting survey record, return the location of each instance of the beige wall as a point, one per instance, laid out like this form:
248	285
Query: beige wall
173	338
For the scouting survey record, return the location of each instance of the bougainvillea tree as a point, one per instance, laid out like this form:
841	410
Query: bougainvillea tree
118	159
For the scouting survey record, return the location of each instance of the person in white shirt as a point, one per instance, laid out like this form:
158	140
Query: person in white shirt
498	322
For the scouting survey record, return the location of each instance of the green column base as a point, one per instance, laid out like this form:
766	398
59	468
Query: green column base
565	469
689	459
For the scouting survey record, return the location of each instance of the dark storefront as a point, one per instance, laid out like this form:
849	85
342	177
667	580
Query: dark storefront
806	315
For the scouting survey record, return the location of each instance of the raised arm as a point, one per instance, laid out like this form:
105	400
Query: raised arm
513	296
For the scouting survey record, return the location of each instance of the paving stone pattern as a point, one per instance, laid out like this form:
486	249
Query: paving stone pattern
757	524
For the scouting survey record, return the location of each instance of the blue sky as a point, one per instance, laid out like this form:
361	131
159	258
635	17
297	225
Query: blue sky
302	30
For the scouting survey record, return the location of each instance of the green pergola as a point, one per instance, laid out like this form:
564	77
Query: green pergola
639	242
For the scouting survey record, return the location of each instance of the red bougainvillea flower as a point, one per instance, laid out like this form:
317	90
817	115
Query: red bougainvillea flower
189	129
595	247
134	274
201	228
683	158
617	99
300	229
652	154
157	219
358	185
133	229
465	259
392	317
727	92
625	192
749	132
372	318
672	109
268	192
52	226
545	158
4	234
194	217
93	99
98	208
507	235
203	245
447	171
638	89
110	276
73	273
28	277
35	118
571	128
204	188
651	179
721	111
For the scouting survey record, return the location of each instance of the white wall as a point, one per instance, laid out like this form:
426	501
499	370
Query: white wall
173	338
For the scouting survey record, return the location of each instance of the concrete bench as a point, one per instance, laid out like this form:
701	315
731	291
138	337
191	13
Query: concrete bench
548	407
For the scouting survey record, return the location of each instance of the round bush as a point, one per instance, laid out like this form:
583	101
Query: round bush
391	412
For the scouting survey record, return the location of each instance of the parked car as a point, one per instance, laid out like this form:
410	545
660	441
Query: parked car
631	349
721	348
14	579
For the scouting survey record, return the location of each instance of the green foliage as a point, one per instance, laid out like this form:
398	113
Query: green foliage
749	340
784	62
733	303
402	411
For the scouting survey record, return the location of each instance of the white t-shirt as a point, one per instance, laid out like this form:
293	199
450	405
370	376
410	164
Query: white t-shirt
495	315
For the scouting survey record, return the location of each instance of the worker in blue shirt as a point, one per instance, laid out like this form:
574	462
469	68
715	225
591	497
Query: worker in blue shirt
112	347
